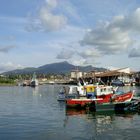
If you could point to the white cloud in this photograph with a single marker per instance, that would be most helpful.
(115, 36)
(9, 66)
(65, 54)
(90, 53)
(73, 53)
(51, 4)
(69, 9)
(135, 52)
(78, 62)
(75, 57)
(130, 23)
(48, 19)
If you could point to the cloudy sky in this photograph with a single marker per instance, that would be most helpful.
(102, 33)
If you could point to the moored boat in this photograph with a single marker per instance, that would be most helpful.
(122, 97)
(102, 95)
(132, 105)
(88, 91)
(34, 81)
(80, 103)
(68, 92)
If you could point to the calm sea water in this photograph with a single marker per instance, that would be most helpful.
(35, 114)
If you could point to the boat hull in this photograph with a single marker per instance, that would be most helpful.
(105, 98)
(78, 103)
(103, 102)
(34, 83)
(122, 97)
(118, 106)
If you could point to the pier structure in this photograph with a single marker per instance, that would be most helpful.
(124, 75)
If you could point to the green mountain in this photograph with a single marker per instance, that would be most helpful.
(54, 68)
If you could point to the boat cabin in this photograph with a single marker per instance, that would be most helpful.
(89, 91)
(104, 90)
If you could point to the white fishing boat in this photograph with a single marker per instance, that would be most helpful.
(34, 81)
(74, 91)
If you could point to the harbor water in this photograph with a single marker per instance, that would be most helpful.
(35, 114)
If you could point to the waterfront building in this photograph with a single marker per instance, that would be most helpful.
(76, 74)
(125, 75)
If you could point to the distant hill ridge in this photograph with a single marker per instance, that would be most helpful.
(54, 68)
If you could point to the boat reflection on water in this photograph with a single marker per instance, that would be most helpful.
(101, 122)
(72, 112)
(35, 90)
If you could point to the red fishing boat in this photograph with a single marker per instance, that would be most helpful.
(100, 95)
(122, 97)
